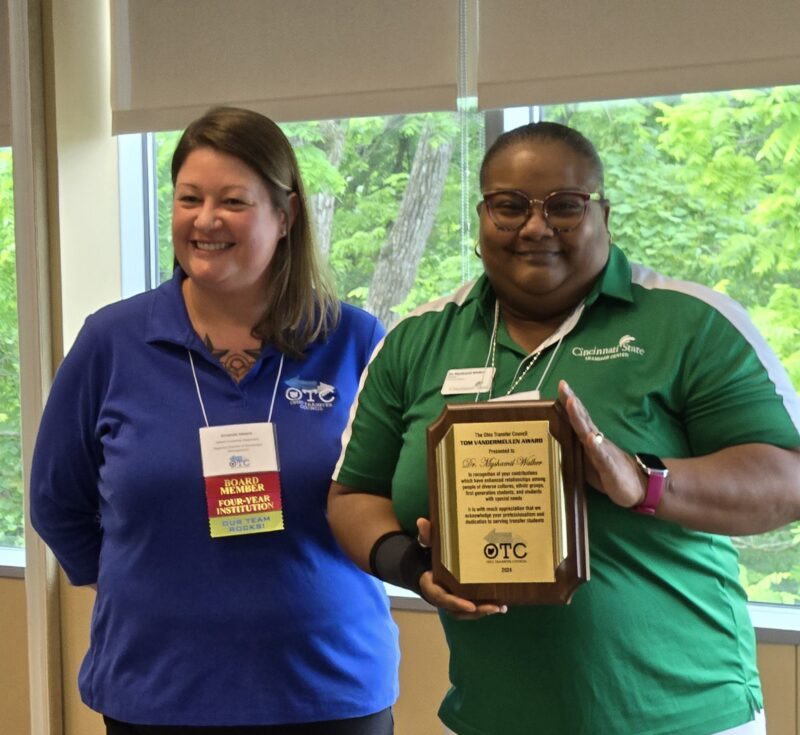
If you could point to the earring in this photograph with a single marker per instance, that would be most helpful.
(477, 251)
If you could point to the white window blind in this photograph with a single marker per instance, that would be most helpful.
(290, 59)
(535, 52)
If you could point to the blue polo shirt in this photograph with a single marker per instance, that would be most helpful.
(267, 628)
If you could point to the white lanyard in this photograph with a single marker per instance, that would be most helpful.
(200, 397)
(564, 328)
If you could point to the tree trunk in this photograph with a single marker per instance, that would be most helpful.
(400, 255)
(321, 205)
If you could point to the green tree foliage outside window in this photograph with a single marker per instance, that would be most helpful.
(703, 187)
(11, 523)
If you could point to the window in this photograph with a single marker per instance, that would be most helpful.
(11, 518)
(702, 186)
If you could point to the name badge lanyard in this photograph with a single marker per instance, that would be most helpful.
(200, 397)
(530, 358)
(241, 472)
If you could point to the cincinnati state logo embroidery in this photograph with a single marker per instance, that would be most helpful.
(624, 349)
(309, 395)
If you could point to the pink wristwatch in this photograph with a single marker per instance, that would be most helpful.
(656, 472)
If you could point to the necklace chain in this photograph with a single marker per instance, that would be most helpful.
(565, 327)
(533, 356)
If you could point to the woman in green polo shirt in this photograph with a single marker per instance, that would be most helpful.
(689, 428)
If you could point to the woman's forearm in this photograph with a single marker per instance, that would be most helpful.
(358, 520)
(745, 489)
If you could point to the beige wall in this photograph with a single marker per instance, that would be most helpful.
(14, 700)
(88, 198)
(423, 669)
(779, 671)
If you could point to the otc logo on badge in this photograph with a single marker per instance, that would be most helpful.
(310, 395)
(237, 461)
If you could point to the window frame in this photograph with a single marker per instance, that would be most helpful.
(773, 623)
(12, 562)
(12, 558)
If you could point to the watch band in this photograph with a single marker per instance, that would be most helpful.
(657, 473)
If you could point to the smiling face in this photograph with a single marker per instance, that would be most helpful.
(225, 228)
(536, 272)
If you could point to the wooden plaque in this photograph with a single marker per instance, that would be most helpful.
(507, 503)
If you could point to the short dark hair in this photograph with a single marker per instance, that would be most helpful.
(301, 302)
(549, 131)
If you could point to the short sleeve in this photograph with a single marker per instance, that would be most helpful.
(373, 438)
(736, 390)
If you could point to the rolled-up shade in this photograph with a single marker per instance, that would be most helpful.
(5, 79)
(535, 52)
(290, 59)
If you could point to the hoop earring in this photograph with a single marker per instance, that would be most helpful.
(476, 251)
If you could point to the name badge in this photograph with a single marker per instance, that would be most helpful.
(242, 479)
(526, 395)
(467, 380)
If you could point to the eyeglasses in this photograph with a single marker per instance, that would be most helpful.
(562, 210)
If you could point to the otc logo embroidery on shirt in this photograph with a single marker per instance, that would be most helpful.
(310, 395)
(625, 348)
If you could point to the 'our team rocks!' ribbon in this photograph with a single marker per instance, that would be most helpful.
(242, 479)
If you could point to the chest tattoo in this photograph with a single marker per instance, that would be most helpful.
(237, 363)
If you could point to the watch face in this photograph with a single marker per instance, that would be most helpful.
(651, 461)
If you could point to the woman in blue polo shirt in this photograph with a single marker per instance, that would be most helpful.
(220, 588)
(689, 427)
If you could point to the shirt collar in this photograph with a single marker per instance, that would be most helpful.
(168, 320)
(481, 298)
(615, 279)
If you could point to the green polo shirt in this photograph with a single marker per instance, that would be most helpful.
(659, 640)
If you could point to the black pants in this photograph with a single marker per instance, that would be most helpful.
(381, 723)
